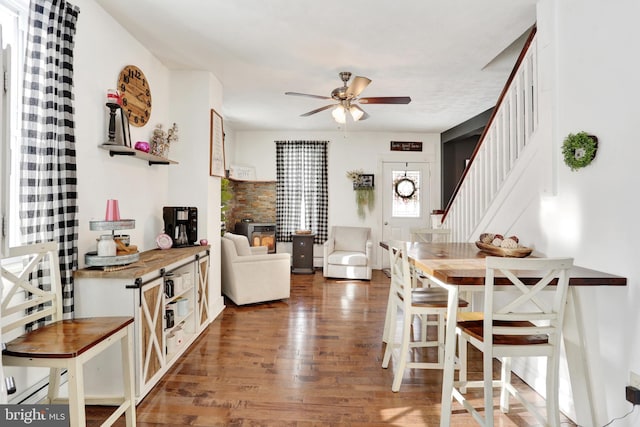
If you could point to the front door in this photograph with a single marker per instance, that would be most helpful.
(405, 198)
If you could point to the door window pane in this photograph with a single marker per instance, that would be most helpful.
(406, 189)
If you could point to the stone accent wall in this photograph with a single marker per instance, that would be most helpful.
(252, 199)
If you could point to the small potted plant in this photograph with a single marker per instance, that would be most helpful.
(365, 194)
(226, 195)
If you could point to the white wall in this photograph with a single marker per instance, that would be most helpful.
(347, 151)
(193, 95)
(588, 73)
(103, 47)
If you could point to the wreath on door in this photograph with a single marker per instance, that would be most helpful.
(405, 188)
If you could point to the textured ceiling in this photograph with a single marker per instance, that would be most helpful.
(451, 57)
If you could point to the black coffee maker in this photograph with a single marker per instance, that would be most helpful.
(181, 223)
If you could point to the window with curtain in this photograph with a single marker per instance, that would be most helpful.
(301, 189)
(48, 184)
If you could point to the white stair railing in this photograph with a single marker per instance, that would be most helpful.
(509, 130)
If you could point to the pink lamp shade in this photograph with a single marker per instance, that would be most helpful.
(113, 212)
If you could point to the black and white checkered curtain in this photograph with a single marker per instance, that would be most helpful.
(48, 183)
(301, 179)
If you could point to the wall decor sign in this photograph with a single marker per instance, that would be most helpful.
(242, 173)
(126, 135)
(216, 162)
(406, 146)
(364, 181)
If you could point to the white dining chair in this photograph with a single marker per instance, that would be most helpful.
(411, 301)
(523, 323)
(430, 235)
(59, 344)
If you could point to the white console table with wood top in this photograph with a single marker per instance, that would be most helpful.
(138, 290)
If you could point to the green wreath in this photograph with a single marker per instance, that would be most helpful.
(579, 150)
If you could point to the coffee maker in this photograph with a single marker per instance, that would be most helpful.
(181, 223)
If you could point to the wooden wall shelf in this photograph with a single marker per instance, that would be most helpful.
(121, 150)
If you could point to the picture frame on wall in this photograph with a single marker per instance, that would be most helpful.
(126, 132)
(216, 155)
(364, 181)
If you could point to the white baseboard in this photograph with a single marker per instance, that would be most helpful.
(36, 392)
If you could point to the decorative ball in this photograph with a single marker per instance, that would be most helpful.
(487, 238)
(497, 242)
(509, 243)
(142, 146)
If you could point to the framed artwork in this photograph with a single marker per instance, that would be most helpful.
(242, 173)
(126, 135)
(364, 181)
(216, 154)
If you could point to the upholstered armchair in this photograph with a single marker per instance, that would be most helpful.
(347, 253)
(250, 274)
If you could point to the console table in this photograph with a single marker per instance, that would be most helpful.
(140, 290)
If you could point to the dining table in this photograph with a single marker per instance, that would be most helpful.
(460, 269)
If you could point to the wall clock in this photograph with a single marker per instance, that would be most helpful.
(135, 95)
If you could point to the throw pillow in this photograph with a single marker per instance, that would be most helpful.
(352, 239)
(241, 243)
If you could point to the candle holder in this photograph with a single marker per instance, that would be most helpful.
(113, 107)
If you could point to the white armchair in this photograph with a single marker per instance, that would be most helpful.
(250, 274)
(347, 253)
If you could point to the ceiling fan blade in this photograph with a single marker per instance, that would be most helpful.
(307, 95)
(357, 85)
(317, 110)
(385, 100)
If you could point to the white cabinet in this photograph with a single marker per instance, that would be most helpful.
(167, 319)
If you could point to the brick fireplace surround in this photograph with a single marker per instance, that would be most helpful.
(251, 199)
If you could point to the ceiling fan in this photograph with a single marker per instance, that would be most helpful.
(348, 99)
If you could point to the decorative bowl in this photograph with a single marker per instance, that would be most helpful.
(519, 252)
(142, 146)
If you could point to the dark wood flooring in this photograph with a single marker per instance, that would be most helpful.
(312, 360)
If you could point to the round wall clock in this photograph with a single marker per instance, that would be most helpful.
(135, 95)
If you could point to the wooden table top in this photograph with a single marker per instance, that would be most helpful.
(149, 261)
(66, 338)
(463, 264)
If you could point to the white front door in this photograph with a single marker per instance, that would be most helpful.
(405, 198)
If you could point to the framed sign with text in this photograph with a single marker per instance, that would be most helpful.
(216, 160)
(406, 146)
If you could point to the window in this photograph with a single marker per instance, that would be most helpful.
(301, 188)
(406, 193)
(13, 19)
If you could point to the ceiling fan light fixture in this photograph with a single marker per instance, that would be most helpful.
(339, 114)
(356, 113)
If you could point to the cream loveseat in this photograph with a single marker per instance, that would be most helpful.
(250, 274)
(347, 253)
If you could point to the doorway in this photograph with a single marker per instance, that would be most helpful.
(406, 194)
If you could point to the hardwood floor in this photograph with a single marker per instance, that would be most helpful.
(312, 360)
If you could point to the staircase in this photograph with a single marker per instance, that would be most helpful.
(501, 145)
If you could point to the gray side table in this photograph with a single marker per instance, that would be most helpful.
(302, 245)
